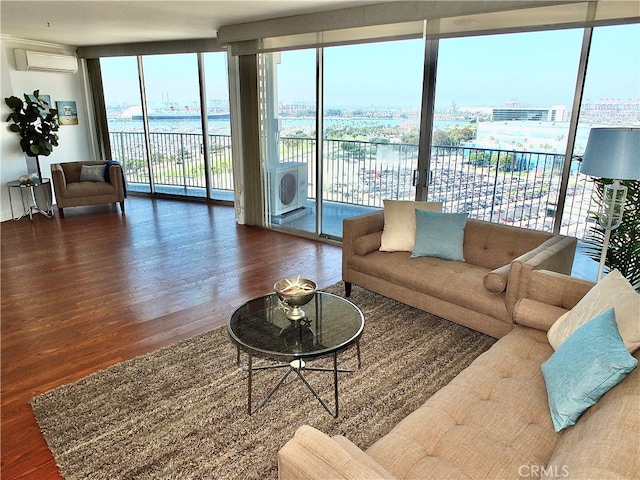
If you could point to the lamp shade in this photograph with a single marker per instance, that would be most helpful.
(612, 153)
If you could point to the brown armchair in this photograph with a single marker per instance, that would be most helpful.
(73, 189)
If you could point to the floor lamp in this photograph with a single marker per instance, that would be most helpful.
(612, 153)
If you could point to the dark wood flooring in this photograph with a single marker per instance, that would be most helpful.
(96, 288)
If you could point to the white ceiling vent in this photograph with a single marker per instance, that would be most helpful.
(27, 60)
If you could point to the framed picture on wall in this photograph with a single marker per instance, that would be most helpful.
(67, 113)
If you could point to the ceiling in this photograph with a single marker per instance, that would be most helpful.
(99, 22)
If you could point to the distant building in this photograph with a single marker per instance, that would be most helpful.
(555, 113)
(513, 111)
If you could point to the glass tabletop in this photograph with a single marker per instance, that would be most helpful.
(30, 183)
(260, 326)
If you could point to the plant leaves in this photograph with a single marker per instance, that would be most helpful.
(35, 124)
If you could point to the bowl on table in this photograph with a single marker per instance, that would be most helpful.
(294, 293)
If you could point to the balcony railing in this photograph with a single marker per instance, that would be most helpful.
(503, 186)
(177, 159)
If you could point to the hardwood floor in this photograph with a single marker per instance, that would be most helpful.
(95, 288)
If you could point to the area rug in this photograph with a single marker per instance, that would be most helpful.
(181, 412)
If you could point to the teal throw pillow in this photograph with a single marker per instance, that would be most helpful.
(92, 173)
(439, 235)
(584, 367)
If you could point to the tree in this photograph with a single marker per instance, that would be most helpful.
(480, 158)
(506, 162)
(454, 136)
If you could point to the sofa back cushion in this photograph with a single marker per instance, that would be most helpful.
(491, 245)
(72, 170)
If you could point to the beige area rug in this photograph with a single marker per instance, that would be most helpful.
(180, 412)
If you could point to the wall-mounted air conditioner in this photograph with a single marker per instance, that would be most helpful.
(28, 60)
(288, 187)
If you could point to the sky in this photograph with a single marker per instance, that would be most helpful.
(536, 68)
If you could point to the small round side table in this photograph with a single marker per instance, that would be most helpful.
(35, 197)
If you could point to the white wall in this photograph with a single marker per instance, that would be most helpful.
(76, 141)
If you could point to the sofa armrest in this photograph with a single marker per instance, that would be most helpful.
(555, 254)
(547, 297)
(311, 454)
(534, 314)
(556, 289)
(116, 178)
(355, 227)
(58, 179)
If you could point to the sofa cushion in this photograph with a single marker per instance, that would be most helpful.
(89, 189)
(488, 422)
(439, 235)
(92, 173)
(584, 367)
(613, 291)
(399, 232)
(434, 276)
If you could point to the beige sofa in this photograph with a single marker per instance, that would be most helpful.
(492, 420)
(479, 293)
(71, 192)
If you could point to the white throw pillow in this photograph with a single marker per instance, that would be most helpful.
(613, 291)
(399, 233)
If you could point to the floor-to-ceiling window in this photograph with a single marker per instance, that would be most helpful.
(175, 124)
(502, 112)
(342, 127)
(371, 96)
(502, 124)
(121, 88)
(611, 98)
(218, 125)
(155, 119)
(289, 126)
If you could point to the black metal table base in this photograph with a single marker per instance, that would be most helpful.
(297, 367)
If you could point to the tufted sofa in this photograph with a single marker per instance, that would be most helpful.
(492, 420)
(479, 293)
(71, 192)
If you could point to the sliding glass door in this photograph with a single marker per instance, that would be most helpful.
(365, 102)
(121, 87)
(175, 124)
(371, 125)
(502, 117)
(611, 98)
(156, 116)
(218, 125)
(289, 128)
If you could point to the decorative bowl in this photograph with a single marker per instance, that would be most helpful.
(293, 293)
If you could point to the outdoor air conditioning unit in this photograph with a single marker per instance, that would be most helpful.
(27, 60)
(288, 187)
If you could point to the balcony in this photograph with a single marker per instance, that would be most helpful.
(504, 186)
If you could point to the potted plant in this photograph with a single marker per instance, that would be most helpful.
(36, 123)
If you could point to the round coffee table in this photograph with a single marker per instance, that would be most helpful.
(260, 327)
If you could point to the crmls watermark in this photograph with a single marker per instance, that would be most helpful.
(537, 471)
